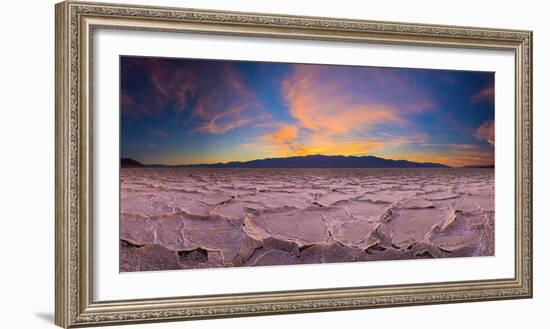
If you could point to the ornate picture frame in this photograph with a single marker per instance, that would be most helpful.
(75, 24)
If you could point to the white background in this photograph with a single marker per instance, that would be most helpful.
(27, 163)
(111, 285)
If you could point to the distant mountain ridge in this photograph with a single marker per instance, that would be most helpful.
(130, 163)
(491, 166)
(308, 161)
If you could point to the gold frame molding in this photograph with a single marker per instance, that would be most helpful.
(75, 23)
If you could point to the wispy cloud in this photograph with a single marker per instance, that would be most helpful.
(395, 140)
(486, 132)
(486, 94)
(464, 146)
(452, 146)
(326, 106)
(213, 93)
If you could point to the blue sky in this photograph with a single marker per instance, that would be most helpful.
(188, 111)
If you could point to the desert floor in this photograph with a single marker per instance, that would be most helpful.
(202, 218)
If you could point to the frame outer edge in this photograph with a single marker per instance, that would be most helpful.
(72, 306)
(529, 193)
(62, 259)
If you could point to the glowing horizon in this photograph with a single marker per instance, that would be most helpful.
(189, 111)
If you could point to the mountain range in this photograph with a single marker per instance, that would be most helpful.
(308, 161)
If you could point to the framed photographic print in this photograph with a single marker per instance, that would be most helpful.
(215, 164)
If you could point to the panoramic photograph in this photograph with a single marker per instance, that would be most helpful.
(241, 163)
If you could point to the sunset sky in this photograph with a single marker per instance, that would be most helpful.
(183, 111)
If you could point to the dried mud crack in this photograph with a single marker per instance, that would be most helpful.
(205, 218)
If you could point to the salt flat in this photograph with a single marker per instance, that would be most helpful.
(180, 218)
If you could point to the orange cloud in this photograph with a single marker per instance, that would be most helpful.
(286, 141)
(329, 119)
(283, 135)
(328, 108)
(486, 132)
(485, 94)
